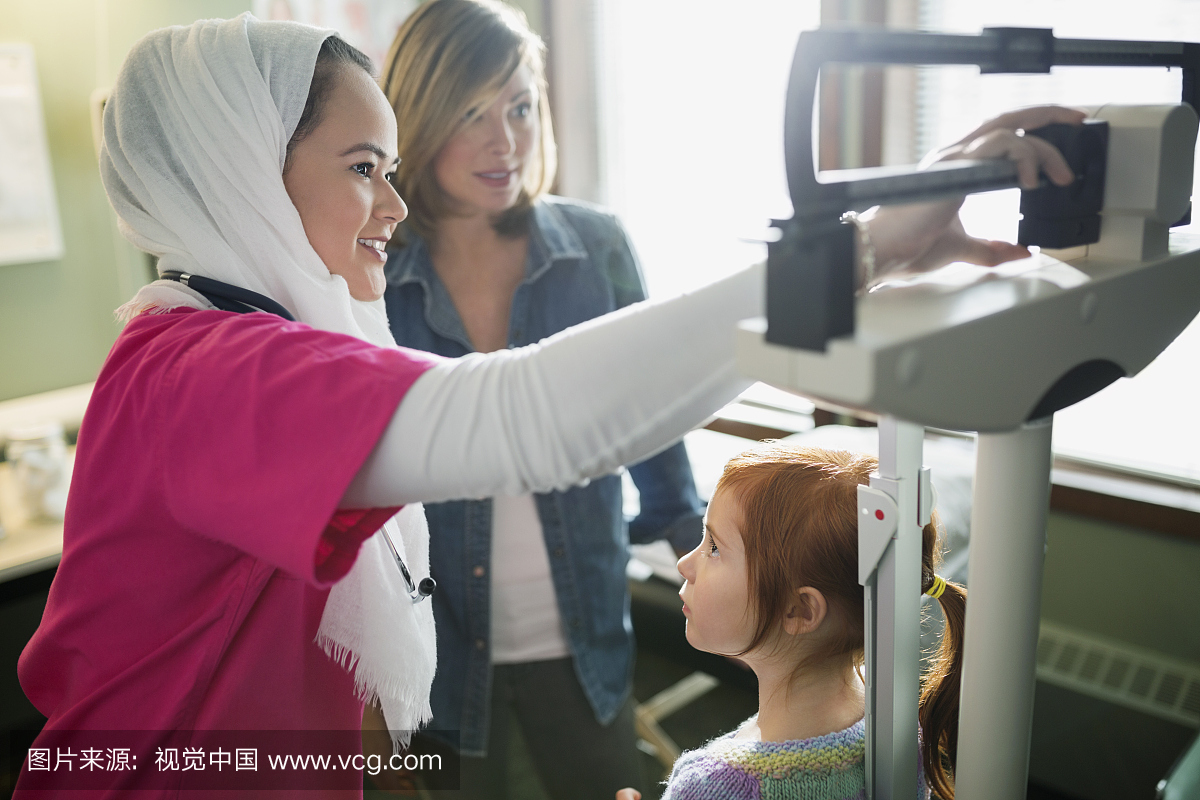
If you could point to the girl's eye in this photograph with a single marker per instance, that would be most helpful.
(363, 169)
(522, 110)
(712, 546)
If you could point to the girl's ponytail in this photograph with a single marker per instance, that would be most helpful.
(938, 711)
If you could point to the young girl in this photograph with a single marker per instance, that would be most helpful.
(775, 583)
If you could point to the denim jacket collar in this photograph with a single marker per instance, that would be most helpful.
(551, 239)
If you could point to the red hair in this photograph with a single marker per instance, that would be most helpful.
(799, 522)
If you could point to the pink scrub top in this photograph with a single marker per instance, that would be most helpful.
(202, 529)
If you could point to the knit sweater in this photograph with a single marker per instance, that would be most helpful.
(829, 767)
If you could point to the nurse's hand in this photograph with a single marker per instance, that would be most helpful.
(629, 794)
(924, 236)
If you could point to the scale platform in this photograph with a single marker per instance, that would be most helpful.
(967, 348)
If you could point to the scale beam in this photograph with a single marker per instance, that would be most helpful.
(810, 269)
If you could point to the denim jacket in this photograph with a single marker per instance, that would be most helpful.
(580, 265)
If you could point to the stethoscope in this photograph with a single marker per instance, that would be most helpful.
(243, 301)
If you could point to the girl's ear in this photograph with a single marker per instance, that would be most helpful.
(806, 613)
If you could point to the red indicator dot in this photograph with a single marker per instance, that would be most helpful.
(879, 514)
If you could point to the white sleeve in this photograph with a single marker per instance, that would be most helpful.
(611, 391)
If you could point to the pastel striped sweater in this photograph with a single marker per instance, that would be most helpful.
(829, 767)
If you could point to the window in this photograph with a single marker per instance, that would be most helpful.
(692, 110)
(692, 98)
(1140, 424)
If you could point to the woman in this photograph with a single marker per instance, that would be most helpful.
(226, 565)
(532, 607)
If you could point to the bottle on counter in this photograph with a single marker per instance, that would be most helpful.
(37, 456)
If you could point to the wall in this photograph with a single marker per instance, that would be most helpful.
(1132, 586)
(534, 13)
(56, 322)
(1124, 583)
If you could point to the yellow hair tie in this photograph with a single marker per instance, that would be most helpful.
(939, 586)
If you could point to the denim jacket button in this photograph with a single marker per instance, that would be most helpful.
(478, 571)
(575, 622)
(480, 644)
(558, 552)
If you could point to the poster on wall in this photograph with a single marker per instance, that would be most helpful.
(29, 222)
(369, 25)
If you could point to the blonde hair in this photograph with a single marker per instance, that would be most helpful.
(449, 57)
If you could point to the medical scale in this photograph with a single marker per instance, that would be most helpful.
(1109, 290)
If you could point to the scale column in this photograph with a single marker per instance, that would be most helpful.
(1004, 597)
(893, 619)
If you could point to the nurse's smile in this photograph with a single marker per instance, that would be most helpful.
(375, 247)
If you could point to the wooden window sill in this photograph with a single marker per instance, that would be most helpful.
(1084, 489)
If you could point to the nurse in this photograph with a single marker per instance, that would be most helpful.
(227, 561)
(532, 603)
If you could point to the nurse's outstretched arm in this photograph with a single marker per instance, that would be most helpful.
(577, 405)
(620, 388)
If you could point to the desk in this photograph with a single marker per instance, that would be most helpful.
(28, 545)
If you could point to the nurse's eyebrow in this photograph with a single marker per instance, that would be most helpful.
(369, 147)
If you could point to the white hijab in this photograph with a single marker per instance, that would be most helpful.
(195, 136)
